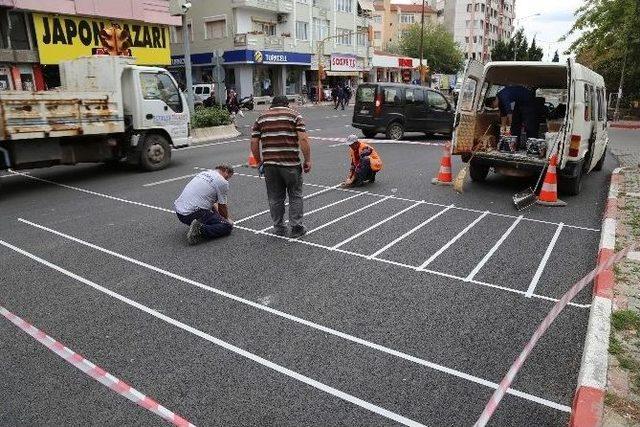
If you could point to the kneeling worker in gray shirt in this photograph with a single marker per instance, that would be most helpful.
(202, 205)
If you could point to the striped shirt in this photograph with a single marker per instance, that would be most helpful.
(277, 130)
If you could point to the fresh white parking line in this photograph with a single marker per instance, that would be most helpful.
(543, 263)
(191, 147)
(409, 233)
(451, 242)
(495, 247)
(369, 257)
(347, 215)
(230, 347)
(325, 329)
(308, 196)
(164, 181)
(376, 225)
(321, 208)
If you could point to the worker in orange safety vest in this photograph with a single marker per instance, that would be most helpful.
(365, 163)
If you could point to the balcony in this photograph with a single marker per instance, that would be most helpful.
(263, 42)
(279, 6)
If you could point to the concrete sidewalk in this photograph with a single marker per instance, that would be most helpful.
(625, 145)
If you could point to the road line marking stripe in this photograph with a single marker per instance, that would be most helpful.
(347, 215)
(493, 249)
(81, 363)
(164, 181)
(543, 262)
(409, 233)
(308, 323)
(230, 347)
(452, 241)
(376, 225)
(191, 147)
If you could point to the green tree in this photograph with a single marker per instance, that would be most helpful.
(607, 32)
(441, 52)
(534, 53)
(504, 50)
(556, 57)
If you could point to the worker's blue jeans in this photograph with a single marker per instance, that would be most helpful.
(364, 171)
(213, 224)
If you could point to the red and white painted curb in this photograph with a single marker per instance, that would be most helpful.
(588, 402)
(95, 372)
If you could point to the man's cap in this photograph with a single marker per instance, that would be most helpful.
(351, 139)
(280, 101)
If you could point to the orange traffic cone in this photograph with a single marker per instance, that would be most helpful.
(444, 174)
(251, 161)
(549, 194)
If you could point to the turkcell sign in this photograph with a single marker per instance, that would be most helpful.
(266, 57)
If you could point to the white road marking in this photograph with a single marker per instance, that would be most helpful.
(392, 142)
(634, 256)
(451, 242)
(543, 263)
(321, 208)
(495, 247)
(409, 233)
(191, 147)
(334, 332)
(376, 225)
(164, 181)
(347, 215)
(368, 257)
(230, 347)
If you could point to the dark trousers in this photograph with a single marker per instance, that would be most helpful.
(340, 102)
(213, 224)
(282, 181)
(364, 171)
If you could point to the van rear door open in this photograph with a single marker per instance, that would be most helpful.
(465, 119)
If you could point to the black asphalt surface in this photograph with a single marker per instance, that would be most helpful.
(453, 335)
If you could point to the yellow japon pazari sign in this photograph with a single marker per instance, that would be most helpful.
(61, 38)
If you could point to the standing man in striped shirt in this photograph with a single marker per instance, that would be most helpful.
(277, 138)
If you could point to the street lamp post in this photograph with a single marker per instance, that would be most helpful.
(515, 48)
(422, 73)
(187, 57)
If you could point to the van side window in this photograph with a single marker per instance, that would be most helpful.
(205, 90)
(588, 102)
(467, 94)
(437, 101)
(198, 90)
(601, 106)
(414, 96)
(391, 95)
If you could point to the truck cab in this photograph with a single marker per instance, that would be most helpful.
(570, 109)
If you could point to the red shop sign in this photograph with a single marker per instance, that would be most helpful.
(405, 62)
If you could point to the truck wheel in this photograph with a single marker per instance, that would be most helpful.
(156, 152)
(600, 164)
(478, 172)
(395, 131)
(368, 133)
(572, 186)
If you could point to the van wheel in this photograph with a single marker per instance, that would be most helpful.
(478, 172)
(395, 131)
(156, 152)
(600, 164)
(368, 133)
(572, 186)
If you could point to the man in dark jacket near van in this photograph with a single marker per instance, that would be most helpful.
(517, 109)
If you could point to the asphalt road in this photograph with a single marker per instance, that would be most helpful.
(413, 321)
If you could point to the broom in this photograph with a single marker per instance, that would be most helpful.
(458, 183)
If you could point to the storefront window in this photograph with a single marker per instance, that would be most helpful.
(263, 79)
(293, 81)
(5, 78)
(27, 82)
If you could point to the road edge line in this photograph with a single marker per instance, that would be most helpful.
(588, 402)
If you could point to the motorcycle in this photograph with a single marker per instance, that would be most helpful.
(247, 102)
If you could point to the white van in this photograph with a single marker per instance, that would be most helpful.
(201, 91)
(570, 106)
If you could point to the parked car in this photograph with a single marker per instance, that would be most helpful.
(573, 105)
(395, 108)
(201, 91)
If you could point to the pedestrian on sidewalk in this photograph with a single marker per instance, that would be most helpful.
(277, 138)
(202, 205)
(365, 163)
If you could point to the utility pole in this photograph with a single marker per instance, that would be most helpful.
(422, 73)
(187, 59)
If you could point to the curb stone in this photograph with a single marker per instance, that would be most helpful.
(588, 402)
(204, 135)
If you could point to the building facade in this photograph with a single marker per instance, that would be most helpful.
(391, 20)
(36, 35)
(477, 25)
(271, 47)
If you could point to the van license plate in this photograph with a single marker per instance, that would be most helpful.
(364, 111)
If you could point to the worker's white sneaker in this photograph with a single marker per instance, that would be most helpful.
(194, 235)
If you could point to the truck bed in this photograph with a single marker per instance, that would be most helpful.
(58, 113)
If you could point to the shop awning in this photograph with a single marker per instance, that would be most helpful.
(343, 73)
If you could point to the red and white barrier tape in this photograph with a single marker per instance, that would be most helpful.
(95, 371)
(493, 403)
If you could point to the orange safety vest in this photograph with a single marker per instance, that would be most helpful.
(374, 158)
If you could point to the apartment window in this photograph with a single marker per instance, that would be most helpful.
(469, 7)
(466, 39)
(407, 18)
(177, 36)
(361, 37)
(302, 30)
(377, 19)
(18, 31)
(303, 1)
(320, 28)
(377, 35)
(215, 28)
(343, 5)
(345, 36)
(268, 28)
(482, 7)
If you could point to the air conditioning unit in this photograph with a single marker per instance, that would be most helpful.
(282, 18)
